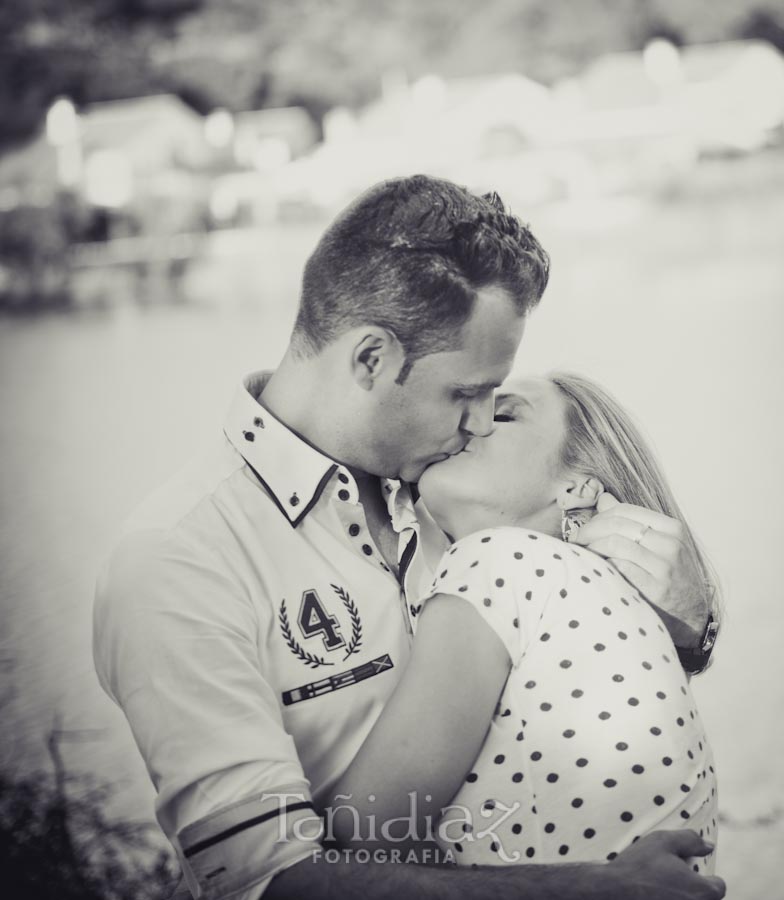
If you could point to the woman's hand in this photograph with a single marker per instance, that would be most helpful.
(648, 549)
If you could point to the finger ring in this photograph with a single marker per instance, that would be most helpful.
(641, 535)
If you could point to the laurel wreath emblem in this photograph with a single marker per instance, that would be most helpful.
(311, 659)
(356, 625)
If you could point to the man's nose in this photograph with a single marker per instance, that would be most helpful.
(479, 416)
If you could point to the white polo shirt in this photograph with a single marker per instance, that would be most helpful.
(251, 631)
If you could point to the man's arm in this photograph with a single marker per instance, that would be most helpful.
(648, 549)
(654, 868)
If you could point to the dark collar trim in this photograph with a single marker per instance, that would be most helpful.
(313, 500)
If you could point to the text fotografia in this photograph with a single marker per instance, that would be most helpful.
(457, 825)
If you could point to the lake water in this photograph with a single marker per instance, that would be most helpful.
(677, 306)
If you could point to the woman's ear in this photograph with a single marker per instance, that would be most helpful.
(375, 351)
(580, 492)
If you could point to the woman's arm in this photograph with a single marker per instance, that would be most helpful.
(430, 731)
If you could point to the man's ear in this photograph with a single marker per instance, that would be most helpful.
(376, 351)
(580, 492)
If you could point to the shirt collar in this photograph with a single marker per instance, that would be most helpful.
(293, 472)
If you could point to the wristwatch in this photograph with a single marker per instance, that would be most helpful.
(697, 659)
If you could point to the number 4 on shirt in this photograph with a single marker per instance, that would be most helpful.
(314, 620)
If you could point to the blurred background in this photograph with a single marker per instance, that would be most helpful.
(166, 167)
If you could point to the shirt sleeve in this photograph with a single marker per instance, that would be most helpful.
(507, 575)
(175, 646)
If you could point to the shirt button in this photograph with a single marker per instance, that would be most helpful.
(353, 530)
(343, 477)
(344, 494)
(249, 436)
(367, 549)
(294, 500)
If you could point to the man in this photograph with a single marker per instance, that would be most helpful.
(254, 618)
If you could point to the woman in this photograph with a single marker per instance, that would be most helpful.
(595, 739)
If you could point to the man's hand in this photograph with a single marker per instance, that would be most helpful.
(658, 866)
(648, 549)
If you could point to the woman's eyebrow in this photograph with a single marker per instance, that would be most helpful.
(515, 399)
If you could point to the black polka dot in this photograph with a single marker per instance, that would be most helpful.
(577, 802)
(499, 582)
(536, 756)
(530, 851)
(488, 804)
(581, 762)
(643, 632)
(565, 663)
(658, 800)
(680, 721)
(585, 578)
(638, 769)
(666, 760)
(685, 788)
(618, 678)
(626, 816)
(519, 736)
(562, 593)
(552, 778)
(549, 828)
(545, 637)
(576, 693)
(633, 701)
(622, 635)
(459, 848)
(604, 715)
(545, 707)
(518, 555)
(574, 623)
(485, 540)
(499, 759)
(367, 549)
(516, 623)
(611, 856)
(563, 849)
(487, 601)
(343, 477)
(533, 537)
(471, 777)
(539, 572)
(528, 595)
(474, 564)
(646, 665)
(655, 730)
(589, 833)
(661, 695)
(353, 529)
(599, 647)
(569, 733)
(665, 657)
(517, 777)
(530, 684)
(606, 610)
(249, 436)
(517, 828)
(621, 745)
(609, 782)
(494, 847)
(684, 814)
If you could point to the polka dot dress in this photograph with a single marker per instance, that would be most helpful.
(596, 739)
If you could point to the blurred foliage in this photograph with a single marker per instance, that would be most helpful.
(57, 847)
(34, 246)
(244, 54)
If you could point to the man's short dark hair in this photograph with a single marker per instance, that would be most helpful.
(409, 255)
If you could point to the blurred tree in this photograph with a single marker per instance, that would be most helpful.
(765, 25)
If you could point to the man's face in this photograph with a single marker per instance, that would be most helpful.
(448, 396)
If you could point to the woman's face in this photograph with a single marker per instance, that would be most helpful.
(510, 477)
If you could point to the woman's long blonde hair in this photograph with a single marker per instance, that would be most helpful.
(603, 441)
